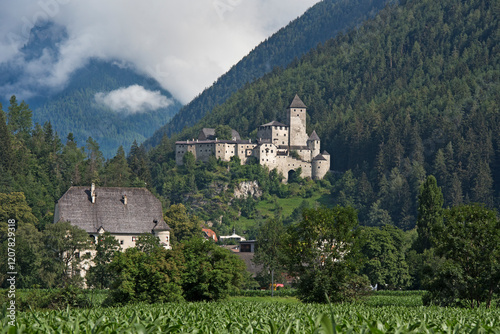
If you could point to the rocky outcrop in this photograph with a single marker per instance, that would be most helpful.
(247, 188)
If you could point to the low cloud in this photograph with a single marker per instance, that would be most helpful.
(133, 99)
(184, 45)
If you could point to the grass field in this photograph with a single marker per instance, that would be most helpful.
(382, 313)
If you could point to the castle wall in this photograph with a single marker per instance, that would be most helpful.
(245, 151)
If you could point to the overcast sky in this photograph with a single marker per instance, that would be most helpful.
(185, 45)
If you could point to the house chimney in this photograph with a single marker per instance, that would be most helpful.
(125, 199)
(92, 192)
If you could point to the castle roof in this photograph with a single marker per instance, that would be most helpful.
(274, 123)
(319, 157)
(142, 212)
(297, 103)
(325, 153)
(209, 134)
(314, 136)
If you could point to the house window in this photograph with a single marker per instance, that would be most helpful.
(121, 242)
(134, 239)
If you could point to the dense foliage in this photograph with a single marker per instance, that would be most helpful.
(322, 251)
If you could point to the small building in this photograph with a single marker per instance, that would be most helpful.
(232, 237)
(209, 234)
(125, 213)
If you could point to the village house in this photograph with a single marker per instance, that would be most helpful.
(125, 213)
(284, 147)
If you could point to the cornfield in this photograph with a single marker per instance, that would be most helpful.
(258, 317)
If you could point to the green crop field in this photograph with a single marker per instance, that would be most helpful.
(384, 314)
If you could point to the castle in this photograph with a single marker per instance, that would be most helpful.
(285, 147)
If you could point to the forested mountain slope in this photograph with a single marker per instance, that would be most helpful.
(75, 109)
(413, 91)
(320, 23)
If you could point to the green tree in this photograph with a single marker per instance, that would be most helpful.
(323, 251)
(29, 254)
(6, 153)
(430, 207)
(184, 226)
(19, 118)
(223, 132)
(469, 241)
(269, 247)
(65, 250)
(212, 272)
(386, 265)
(117, 172)
(100, 275)
(147, 243)
(147, 277)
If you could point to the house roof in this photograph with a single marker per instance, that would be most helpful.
(142, 213)
(314, 136)
(253, 268)
(210, 234)
(274, 123)
(297, 103)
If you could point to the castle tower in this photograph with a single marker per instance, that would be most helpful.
(314, 144)
(296, 117)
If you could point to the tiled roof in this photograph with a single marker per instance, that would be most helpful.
(274, 123)
(297, 103)
(142, 213)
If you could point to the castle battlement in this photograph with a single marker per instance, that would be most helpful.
(276, 147)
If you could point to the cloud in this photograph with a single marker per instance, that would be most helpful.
(133, 99)
(185, 45)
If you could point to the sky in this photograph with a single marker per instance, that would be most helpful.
(184, 45)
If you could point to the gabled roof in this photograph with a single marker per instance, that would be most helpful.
(142, 213)
(297, 103)
(274, 123)
(209, 134)
(325, 153)
(314, 136)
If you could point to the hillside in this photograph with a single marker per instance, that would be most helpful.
(412, 92)
(320, 23)
(75, 109)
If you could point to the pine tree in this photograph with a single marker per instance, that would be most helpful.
(430, 207)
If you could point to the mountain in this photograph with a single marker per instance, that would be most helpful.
(76, 110)
(80, 107)
(411, 92)
(318, 24)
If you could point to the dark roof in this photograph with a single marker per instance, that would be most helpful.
(297, 103)
(319, 157)
(142, 213)
(325, 153)
(209, 134)
(274, 123)
(253, 268)
(314, 136)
